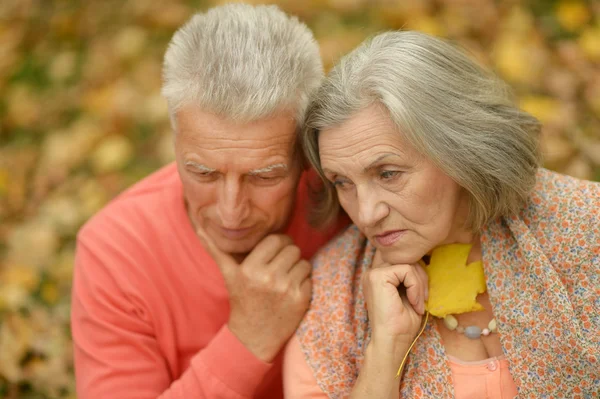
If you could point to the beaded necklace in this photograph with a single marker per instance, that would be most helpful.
(453, 289)
(454, 286)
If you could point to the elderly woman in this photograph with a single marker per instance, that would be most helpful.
(437, 168)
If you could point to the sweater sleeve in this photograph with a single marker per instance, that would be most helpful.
(117, 355)
(298, 379)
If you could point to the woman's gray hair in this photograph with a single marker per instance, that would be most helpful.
(451, 110)
(242, 62)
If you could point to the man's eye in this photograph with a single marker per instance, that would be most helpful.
(204, 175)
(266, 179)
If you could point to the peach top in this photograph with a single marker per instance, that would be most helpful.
(489, 378)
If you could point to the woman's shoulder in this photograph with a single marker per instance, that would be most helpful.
(563, 213)
(338, 264)
(560, 203)
(346, 244)
(553, 188)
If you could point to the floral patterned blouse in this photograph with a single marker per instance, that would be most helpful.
(542, 270)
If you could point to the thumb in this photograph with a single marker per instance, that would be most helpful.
(226, 263)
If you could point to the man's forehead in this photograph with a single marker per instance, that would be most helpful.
(193, 120)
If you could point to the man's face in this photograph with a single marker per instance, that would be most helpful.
(239, 180)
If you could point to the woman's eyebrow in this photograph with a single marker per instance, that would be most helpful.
(379, 159)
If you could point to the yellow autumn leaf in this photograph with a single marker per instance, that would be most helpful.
(23, 106)
(62, 66)
(510, 59)
(346, 6)
(49, 292)
(112, 154)
(572, 15)
(130, 42)
(542, 107)
(454, 285)
(20, 276)
(33, 244)
(3, 181)
(589, 41)
(169, 15)
(426, 24)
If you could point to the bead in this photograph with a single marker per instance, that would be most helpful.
(473, 332)
(485, 332)
(492, 325)
(460, 329)
(450, 322)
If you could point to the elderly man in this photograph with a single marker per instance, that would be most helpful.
(189, 284)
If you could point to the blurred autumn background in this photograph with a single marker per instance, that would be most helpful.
(81, 118)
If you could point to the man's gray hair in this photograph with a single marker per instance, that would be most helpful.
(242, 62)
(455, 113)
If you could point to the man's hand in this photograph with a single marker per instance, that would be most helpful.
(269, 292)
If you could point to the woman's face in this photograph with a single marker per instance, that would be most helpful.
(399, 199)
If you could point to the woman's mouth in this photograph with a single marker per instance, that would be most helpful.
(389, 237)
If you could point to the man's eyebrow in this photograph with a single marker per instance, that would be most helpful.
(268, 169)
(199, 167)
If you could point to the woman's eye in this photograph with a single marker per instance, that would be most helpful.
(389, 174)
(340, 184)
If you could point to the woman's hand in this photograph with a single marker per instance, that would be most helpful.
(395, 296)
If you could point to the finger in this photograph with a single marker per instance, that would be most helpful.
(407, 275)
(264, 252)
(416, 293)
(300, 272)
(226, 263)
(306, 289)
(424, 280)
(286, 259)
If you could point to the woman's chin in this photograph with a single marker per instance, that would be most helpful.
(404, 257)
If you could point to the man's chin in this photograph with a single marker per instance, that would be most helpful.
(237, 248)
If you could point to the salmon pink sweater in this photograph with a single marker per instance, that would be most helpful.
(150, 307)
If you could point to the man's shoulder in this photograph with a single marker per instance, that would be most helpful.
(130, 213)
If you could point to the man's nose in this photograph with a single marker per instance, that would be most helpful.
(232, 203)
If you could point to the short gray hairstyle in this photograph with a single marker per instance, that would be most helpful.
(451, 110)
(242, 62)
